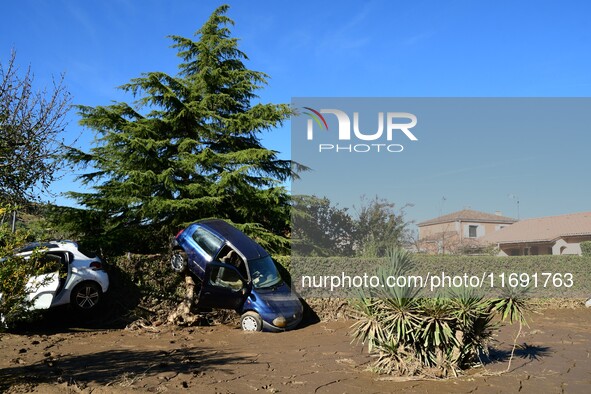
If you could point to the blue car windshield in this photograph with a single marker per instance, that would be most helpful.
(263, 272)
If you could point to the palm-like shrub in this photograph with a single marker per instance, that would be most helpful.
(436, 336)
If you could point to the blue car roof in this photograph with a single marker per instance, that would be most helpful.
(245, 245)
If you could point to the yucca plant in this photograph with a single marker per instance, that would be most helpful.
(392, 358)
(387, 312)
(437, 334)
(512, 307)
(412, 335)
(474, 324)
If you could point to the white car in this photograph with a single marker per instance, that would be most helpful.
(80, 280)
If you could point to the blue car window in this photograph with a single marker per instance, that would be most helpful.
(263, 273)
(207, 241)
(226, 278)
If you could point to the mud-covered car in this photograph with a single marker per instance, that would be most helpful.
(236, 273)
(74, 278)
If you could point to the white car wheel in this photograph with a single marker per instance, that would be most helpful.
(251, 321)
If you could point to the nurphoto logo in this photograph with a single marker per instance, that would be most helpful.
(395, 122)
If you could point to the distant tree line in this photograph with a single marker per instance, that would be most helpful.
(320, 228)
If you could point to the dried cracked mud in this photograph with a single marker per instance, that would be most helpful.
(553, 357)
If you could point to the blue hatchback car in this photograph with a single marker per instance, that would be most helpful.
(236, 273)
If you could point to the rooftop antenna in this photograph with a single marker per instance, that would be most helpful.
(443, 199)
(516, 198)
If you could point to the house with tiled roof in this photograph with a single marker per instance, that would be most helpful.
(458, 231)
(546, 235)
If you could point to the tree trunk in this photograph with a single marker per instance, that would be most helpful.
(182, 315)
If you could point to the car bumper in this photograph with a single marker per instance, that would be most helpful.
(292, 324)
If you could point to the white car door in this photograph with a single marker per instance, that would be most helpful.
(41, 289)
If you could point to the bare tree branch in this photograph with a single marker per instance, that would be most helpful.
(31, 126)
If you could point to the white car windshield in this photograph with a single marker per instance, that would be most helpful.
(263, 272)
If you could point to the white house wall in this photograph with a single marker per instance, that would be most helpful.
(563, 247)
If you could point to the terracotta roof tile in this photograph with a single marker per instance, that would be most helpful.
(543, 229)
(469, 215)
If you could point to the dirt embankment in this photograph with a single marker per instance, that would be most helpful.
(554, 357)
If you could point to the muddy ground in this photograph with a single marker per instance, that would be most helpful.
(554, 357)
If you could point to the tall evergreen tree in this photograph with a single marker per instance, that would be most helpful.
(189, 147)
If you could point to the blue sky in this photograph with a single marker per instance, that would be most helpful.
(352, 49)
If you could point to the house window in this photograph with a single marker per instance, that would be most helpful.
(472, 231)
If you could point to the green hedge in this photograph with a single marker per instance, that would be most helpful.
(429, 265)
(291, 262)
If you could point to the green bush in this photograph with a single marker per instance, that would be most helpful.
(15, 271)
(586, 248)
